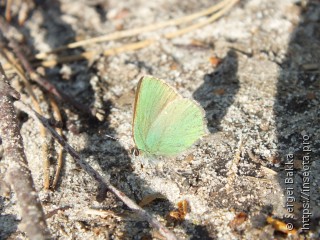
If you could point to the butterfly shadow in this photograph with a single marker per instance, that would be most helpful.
(216, 95)
(218, 91)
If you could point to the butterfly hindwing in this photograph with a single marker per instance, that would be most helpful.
(176, 128)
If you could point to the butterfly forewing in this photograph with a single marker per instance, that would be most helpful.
(152, 97)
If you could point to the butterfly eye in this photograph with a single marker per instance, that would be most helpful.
(135, 151)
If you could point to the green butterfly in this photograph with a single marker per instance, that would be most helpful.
(164, 123)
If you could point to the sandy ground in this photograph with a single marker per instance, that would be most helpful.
(262, 101)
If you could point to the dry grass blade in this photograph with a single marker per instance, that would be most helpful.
(144, 43)
(58, 117)
(209, 20)
(234, 166)
(218, 9)
(8, 10)
(101, 213)
(90, 54)
(133, 32)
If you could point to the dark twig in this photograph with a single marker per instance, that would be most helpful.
(40, 80)
(19, 175)
(94, 174)
(21, 73)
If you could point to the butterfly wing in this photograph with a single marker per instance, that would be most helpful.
(152, 96)
(176, 128)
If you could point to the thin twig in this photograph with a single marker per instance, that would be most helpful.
(94, 174)
(19, 175)
(57, 116)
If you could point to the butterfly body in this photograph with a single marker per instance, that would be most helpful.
(165, 123)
